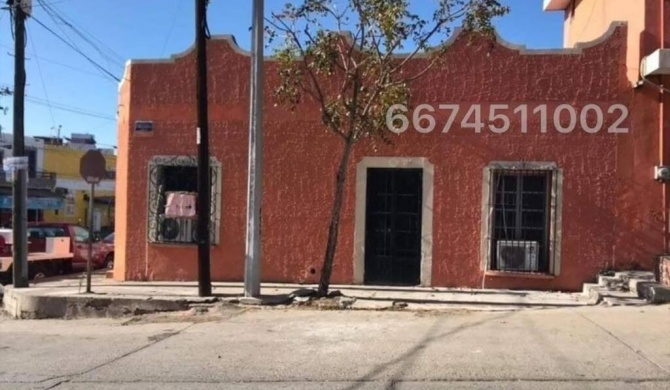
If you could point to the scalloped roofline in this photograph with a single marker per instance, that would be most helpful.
(522, 49)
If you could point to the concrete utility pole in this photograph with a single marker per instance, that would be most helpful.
(204, 184)
(252, 262)
(19, 191)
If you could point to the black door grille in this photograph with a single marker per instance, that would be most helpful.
(393, 226)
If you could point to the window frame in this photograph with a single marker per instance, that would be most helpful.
(70, 206)
(154, 201)
(554, 209)
(75, 234)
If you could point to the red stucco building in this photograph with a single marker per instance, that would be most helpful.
(541, 207)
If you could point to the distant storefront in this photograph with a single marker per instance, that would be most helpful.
(39, 201)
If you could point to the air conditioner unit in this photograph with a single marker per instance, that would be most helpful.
(662, 173)
(517, 256)
(657, 63)
(177, 230)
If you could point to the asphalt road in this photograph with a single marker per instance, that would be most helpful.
(592, 348)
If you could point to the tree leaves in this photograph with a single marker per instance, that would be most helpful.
(343, 55)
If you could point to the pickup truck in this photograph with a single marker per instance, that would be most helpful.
(53, 249)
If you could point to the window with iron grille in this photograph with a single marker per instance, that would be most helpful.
(178, 174)
(522, 219)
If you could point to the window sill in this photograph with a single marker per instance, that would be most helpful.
(524, 275)
(177, 245)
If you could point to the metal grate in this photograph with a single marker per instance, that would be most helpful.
(393, 226)
(520, 237)
(177, 174)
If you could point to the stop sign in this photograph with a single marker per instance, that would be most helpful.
(93, 167)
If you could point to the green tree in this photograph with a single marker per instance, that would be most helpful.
(343, 56)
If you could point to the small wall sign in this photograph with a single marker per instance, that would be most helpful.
(144, 126)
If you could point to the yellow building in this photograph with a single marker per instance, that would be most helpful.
(63, 159)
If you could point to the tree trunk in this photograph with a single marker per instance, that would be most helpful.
(334, 228)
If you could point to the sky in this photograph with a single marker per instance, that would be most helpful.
(64, 90)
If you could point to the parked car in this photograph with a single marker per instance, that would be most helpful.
(79, 236)
(47, 256)
(105, 252)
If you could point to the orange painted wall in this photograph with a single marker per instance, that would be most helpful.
(610, 207)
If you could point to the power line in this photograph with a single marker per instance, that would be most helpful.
(172, 23)
(108, 54)
(48, 4)
(52, 61)
(73, 47)
(44, 86)
(63, 107)
(60, 106)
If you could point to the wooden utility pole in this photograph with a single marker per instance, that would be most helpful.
(204, 183)
(19, 191)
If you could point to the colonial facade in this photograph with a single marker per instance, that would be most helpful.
(553, 185)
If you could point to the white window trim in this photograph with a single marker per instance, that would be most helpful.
(426, 212)
(556, 212)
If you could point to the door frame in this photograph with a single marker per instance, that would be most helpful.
(426, 211)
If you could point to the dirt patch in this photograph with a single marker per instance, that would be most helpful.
(194, 315)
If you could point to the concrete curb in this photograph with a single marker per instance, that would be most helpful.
(22, 305)
(55, 302)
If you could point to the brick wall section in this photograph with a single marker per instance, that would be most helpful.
(610, 207)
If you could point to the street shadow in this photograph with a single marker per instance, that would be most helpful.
(409, 358)
(458, 302)
(428, 290)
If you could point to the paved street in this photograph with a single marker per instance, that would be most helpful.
(593, 348)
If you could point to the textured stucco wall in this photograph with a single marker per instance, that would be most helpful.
(610, 205)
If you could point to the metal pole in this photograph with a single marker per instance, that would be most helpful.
(204, 186)
(19, 191)
(89, 258)
(252, 261)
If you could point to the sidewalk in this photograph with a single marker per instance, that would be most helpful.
(65, 298)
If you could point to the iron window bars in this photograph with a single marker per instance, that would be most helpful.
(521, 226)
(177, 173)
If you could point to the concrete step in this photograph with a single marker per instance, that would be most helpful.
(587, 287)
(612, 297)
(609, 281)
(624, 301)
(629, 275)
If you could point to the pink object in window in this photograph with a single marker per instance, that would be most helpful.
(180, 205)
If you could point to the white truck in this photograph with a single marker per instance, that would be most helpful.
(55, 260)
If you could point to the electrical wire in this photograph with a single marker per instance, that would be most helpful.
(73, 47)
(108, 54)
(44, 86)
(63, 107)
(51, 61)
(172, 23)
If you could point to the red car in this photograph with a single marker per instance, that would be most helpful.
(79, 236)
(105, 252)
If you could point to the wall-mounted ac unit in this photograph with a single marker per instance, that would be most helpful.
(657, 63)
(517, 256)
(177, 230)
